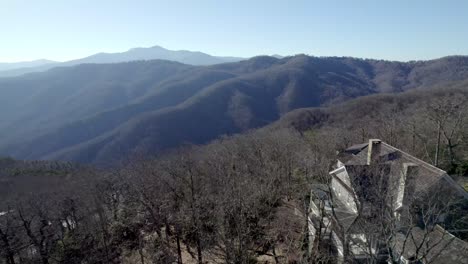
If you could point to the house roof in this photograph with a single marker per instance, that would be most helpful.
(362, 177)
(436, 246)
(356, 148)
(386, 168)
(427, 177)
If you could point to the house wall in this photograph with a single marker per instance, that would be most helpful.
(342, 174)
(339, 247)
(401, 191)
(338, 184)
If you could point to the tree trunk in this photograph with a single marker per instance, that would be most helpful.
(142, 257)
(11, 258)
(436, 159)
(274, 254)
(179, 251)
(168, 232)
(194, 218)
(140, 249)
(199, 251)
(450, 152)
(45, 259)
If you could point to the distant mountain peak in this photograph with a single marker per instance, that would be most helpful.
(154, 47)
(134, 54)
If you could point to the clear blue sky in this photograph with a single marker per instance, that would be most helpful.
(392, 29)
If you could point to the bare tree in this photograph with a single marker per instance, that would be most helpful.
(448, 114)
(10, 240)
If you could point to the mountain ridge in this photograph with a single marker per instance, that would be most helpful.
(10, 66)
(197, 104)
(134, 54)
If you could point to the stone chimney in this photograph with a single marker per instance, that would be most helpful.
(410, 171)
(373, 150)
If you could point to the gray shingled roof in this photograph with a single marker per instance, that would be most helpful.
(389, 163)
(428, 175)
(437, 246)
(356, 148)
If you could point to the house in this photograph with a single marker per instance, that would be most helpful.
(378, 202)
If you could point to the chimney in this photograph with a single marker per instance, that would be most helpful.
(405, 188)
(410, 171)
(373, 150)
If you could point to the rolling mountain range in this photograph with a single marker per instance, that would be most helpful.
(103, 113)
(11, 66)
(136, 54)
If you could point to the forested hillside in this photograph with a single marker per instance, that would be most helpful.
(239, 199)
(20, 178)
(104, 113)
(231, 201)
(409, 121)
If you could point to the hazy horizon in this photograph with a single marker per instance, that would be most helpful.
(227, 55)
(397, 30)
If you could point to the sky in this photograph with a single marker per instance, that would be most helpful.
(393, 30)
